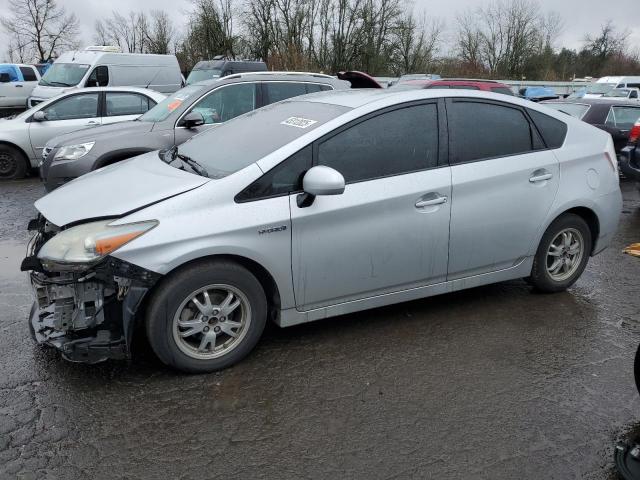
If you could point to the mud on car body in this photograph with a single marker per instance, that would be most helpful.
(86, 311)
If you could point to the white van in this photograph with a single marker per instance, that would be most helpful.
(106, 66)
(605, 84)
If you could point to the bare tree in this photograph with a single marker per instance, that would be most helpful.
(469, 41)
(40, 29)
(415, 43)
(160, 33)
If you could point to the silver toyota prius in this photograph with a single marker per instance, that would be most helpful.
(314, 207)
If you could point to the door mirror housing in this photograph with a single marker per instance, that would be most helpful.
(192, 120)
(39, 116)
(320, 180)
(5, 78)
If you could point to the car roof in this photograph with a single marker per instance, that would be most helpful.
(272, 76)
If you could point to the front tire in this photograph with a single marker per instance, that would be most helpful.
(206, 317)
(13, 164)
(562, 255)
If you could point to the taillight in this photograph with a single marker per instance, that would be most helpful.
(635, 133)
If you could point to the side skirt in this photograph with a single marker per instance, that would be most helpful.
(292, 316)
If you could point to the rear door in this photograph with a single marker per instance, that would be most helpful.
(389, 230)
(70, 113)
(504, 182)
(123, 106)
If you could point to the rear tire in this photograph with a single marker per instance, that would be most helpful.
(13, 164)
(562, 255)
(206, 317)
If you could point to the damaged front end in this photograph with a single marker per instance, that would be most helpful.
(86, 311)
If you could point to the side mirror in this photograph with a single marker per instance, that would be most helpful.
(39, 116)
(5, 78)
(320, 180)
(193, 119)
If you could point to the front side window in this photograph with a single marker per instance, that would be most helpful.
(73, 107)
(124, 103)
(28, 74)
(484, 130)
(99, 77)
(64, 75)
(622, 117)
(391, 143)
(167, 106)
(227, 102)
(284, 178)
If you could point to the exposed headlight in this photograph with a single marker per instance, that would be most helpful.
(74, 152)
(81, 246)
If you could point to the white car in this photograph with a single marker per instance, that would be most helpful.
(23, 137)
(313, 207)
(17, 81)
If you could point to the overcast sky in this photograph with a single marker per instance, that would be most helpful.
(580, 16)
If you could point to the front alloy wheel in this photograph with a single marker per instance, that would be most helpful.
(206, 316)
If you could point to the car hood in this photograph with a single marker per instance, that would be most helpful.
(110, 133)
(116, 190)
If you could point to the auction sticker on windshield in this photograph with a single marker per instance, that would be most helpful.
(298, 122)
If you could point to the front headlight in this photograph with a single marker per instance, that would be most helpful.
(81, 246)
(74, 152)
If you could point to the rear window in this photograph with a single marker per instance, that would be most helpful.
(503, 90)
(553, 131)
(577, 110)
(224, 149)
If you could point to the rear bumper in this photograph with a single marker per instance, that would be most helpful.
(630, 163)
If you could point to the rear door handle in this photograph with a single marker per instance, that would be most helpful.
(18, 86)
(540, 177)
(428, 202)
(93, 123)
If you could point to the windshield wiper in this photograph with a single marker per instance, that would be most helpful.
(62, 84)
(170, 155)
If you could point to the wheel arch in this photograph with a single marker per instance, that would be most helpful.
(588, 215)
(266, 279)
(19, 148)
(118, 156)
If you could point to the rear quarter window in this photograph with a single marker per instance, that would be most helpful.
(553, 131)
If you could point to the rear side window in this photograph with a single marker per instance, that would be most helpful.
(391, 143)
(282, 179)
(277, 91)
(553, 131)
(315, 87)
(125, 104)
(437, 86)
(622, 117)
(464, 87)
(480, 131)
(28, 74)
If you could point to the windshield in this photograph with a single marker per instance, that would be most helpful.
(577, 110)
(600, 88)
(64, 75)
(224, 150)
(162, 110)
(200, 75)
(618, 92)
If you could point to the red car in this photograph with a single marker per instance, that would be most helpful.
(485, 85)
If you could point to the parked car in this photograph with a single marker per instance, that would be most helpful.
(106, 66)
(295, 213)
(460, 84)
(221, 67)
(538, 94)
(630, 94)
(410, 77)
(611, 115)
(606, 84)
(17, 81)
(180, 116)
(23, 137)
(630, 155)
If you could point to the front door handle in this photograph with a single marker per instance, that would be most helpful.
(540, 177)
(92, 122)
(18, 86)
(428, 201)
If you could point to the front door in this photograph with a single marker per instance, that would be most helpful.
(66, 115)
(389, 230)
(503, 184)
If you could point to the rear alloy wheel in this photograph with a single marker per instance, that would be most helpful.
(562, 255)
(13, 165)
(206, 317)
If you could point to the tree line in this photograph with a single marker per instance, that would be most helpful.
(499, 39)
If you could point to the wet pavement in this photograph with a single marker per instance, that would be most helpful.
(497, 382)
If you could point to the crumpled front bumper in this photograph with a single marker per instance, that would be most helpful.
(88, 316)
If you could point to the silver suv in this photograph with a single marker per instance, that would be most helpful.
(187, 112)
(314, 207)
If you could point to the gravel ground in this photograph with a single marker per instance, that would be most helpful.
(496, 382)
